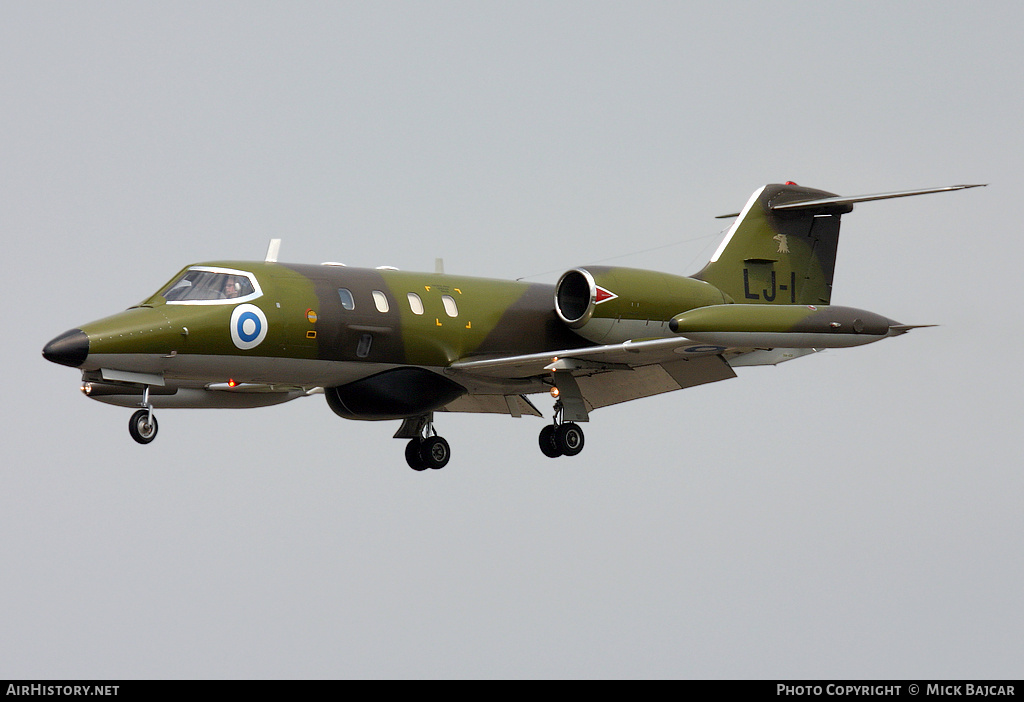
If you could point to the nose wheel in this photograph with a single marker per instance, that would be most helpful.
(561, 438)
(143, 425)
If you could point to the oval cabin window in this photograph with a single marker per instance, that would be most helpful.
(450, 308)
(415, 303)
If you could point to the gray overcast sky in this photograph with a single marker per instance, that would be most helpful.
(852, 514)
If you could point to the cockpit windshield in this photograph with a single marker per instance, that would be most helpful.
(201, 285)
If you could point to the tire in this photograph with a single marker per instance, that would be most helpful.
(548, 445)
(435, 452)
(569, 438)
(142, 428)
(412, 455)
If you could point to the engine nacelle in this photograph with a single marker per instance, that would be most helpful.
(609, 305)
(784, 326)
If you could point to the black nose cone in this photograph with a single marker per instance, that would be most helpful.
(69, 349)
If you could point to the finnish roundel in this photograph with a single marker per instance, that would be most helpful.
(248, 326)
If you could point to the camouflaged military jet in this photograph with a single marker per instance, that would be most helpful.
(383, 344)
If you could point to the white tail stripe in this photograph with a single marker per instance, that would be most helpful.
(736, 224)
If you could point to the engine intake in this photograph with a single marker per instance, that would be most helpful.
(575, 297)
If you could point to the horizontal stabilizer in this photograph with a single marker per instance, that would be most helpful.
(840, 200)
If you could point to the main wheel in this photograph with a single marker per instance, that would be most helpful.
(434, 452)
(142, 427)
(412, 455)
(569, 438)
(548, 445)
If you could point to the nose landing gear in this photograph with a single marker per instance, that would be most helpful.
(143, 426)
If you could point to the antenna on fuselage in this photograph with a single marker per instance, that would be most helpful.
(439, 265)
(273, 250)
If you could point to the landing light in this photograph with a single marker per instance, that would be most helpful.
(554, 393)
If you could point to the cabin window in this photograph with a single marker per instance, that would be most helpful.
(415, 303)
(347, 301)
(381, 301)
(202, 285)
(450, 307)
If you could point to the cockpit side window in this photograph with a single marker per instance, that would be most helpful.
(201, 285)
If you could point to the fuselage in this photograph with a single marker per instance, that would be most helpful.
(295, 327)
(309, 325)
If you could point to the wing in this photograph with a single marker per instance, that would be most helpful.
(607, 375)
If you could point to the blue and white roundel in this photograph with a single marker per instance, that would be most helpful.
(248, 326)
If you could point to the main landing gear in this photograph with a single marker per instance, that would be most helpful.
(143, 426)
(431, 452)
(425, 448)
(561, 438)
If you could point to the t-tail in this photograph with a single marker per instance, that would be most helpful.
(782, 247)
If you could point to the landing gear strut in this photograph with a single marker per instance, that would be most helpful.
(561, 438)
(425, 448)
(143, 426)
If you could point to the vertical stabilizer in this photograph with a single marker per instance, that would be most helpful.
(776, 256)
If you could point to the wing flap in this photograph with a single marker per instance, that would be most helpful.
(515, 405)
(613, 387)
